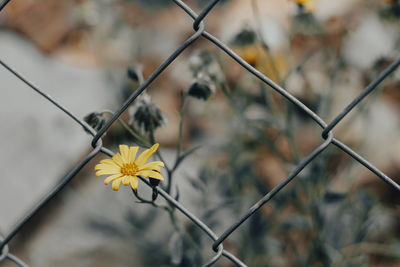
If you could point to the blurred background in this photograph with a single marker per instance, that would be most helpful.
(91, 55)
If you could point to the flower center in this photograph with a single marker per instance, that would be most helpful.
(129, 169)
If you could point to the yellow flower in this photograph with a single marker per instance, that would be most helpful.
(309, 5)
(124, 168)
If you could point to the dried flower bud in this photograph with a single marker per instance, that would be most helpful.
(154, 182)
(245, 37)
(201, 62)
(135, 73)
(144, 115)
(207, 74)
(247, 46)
(202, 88)
(154, 195)
(95, 119)
(305, 23)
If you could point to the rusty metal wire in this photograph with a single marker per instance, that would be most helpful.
(217, 245)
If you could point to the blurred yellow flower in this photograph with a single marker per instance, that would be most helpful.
(308, 5)
(250, 54)
(124, 168)
(272, 65)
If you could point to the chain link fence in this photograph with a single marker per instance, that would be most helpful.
(200, 32)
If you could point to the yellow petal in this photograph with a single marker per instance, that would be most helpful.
(103, 172)
(118, 159)
(126, 180)
(112, 177)
(134, 182)
(116, 183)
(124, 153)
(108, 161)
(150, 168)
(132, 153)
(152, 164)
(310, 6)
(107, 167)
(151, 174)
(146, 155)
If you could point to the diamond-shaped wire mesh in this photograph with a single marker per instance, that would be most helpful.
(200, 32)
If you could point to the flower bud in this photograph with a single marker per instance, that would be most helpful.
(95, 119)
(202, 88)
(154, 182)
(245, 37)
(135, 73)
(145, 115)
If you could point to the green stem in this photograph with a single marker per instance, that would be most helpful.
(289, 132)
(179, 145)
(153, 141)
(268, 98)
(170, 176)
(226, 90)
(172, 217)
(297, 68)
(181, 115)
(145, 201)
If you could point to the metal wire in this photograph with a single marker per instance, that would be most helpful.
(195, 220)
(199, 27)
(274, 191)
(5, 254)
(3, 4)
(3, 251)
(384, 74)
(16, 260)
(147, 82)
(49, 98)
(50, 195)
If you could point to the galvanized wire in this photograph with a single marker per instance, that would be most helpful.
(382, 76)
(16, 260)
(5, 254)
(3, 4)
(199, 27)
(147, 82)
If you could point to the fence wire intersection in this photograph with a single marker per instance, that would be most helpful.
(217, 245)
